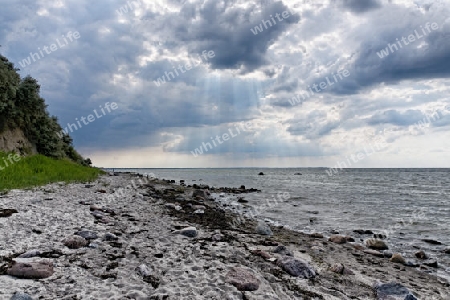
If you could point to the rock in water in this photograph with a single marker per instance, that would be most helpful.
(75, 242)
(32, 270)
(30, 253)
(376, 244)
(261, 173)
(296, 267)
(263, 229)
(393, 291)
(21, 296)
(242, 279)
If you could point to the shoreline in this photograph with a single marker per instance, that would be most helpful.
(145, 248)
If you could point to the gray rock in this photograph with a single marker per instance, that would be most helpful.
(376, 244)
(180, 198)
(30, 253)
(263, 229)
(110, 237)
(282, 250)
(87, 234)
(21, 296)
(393, 291)
(200, 193)
(199, 211)
(189, 232)
(170, 205)
(421, 254)
(296, 267)
(32, 270)
(148, 275)
(75, 242)
(431, 263)
(242, 279)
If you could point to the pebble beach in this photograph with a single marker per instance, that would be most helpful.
(128, 237)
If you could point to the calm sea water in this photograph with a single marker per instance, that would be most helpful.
(407, 205)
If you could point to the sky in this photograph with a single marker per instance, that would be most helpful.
(245, 65)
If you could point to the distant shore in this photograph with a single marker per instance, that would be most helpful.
(161, 240)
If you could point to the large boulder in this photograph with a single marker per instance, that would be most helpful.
(296, 267)
(32, 270)
(242, 279)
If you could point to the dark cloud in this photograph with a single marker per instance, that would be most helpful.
(360, 6)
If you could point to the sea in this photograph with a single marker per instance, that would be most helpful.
(405, 205)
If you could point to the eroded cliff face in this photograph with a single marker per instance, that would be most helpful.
(15, 140)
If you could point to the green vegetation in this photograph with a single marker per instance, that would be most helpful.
(57, 160)
(38, 170)
(22, 107)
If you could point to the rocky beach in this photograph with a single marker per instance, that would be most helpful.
(126, 236)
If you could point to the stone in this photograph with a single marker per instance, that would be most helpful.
(341, 269)
(21, 296)
(30, 253)
(393, 291)
(261, 253)
(362, 231)
(87, 234)
(199, 212)
(217, 237)
(263, 229)
(446, 251)
(75, 242)
(282, 250)
(431, 263)
(200, 193)
(94, 207)
(421, 254)
(189, 232)
(170, 205)
(431, 241)
(98, 214)
(5, 213)
(180, 199)
(373, 252)
(242, 279)
(379, 236)
(397, 258)
(316, 235)
(32, 270)
(376, 244)
(296, 267)
(338, 239)
(110, 237)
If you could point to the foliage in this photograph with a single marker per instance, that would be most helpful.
(22, 107)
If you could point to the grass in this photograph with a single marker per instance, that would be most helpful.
(37, 170)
